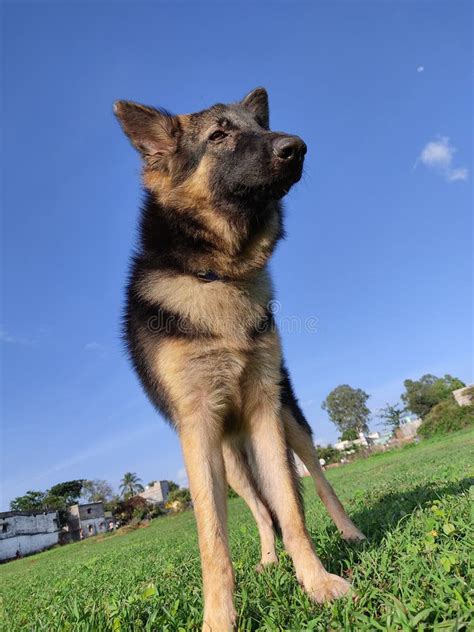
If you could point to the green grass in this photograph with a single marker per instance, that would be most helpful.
(412, 574)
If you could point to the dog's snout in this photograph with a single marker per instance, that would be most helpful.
(289, 148)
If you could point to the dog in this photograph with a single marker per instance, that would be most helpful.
(202, 337)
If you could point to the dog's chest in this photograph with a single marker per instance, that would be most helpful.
(227, 313)
(233, 313)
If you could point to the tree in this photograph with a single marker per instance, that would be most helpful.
(97, 491)
(57, 498)
(392, 415)
(421, 395)
(346, 407)
(349, 435)
(130, 484)
(56, 503)
(172, 486)
(68, 493)
(112, 504)
(31, 501)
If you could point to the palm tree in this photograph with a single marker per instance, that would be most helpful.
(130, 484)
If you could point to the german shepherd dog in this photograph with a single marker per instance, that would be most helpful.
(202, 337)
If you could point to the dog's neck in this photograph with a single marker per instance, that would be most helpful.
(229, 240)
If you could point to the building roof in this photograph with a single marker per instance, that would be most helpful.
(86, 504)
(11, 514)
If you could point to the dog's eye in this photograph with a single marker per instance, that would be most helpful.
(217, 135)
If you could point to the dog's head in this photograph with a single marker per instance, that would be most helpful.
(226, 153)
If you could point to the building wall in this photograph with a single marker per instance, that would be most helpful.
(89, 517)
(347, 445)
(27, 533)
(93, 526)
(157, 493)
(91, 511)
(409, 430)
(463, 395)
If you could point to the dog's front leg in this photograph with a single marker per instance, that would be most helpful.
(202, 449)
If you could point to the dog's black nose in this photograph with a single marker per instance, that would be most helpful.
(289, 147)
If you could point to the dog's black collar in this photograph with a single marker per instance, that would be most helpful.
(208, 276)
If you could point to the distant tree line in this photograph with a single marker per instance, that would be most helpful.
(57, 498)
(127, 506)
(430, 398)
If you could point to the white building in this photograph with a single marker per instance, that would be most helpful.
(156, 494)
(24, 532)
(363, 441)
(408, 429)
(464, 396)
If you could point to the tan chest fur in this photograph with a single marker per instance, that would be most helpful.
(228, 311)
(208, 373)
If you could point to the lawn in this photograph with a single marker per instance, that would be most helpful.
(413, 573)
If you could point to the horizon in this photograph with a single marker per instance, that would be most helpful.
(374, 278)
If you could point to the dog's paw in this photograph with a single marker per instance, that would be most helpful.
(328, 588)
(264, 563)
(353, 535)
(219, 622)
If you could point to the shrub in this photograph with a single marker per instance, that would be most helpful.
(329, 454)
(156, 512)
(447, 416)
(179, 500)
(134, 507)
(140, 513)
(182, 495)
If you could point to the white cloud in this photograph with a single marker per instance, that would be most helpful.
(420, 69)
(13, 340)
(438, 155)
(93, 346)
(458, 174)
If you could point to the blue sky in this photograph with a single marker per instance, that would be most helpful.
(379, 246)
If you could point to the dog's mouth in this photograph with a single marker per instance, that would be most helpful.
(281, 186)
(274, 189)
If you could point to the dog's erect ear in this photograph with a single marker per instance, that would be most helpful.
(257, 102)
(152, 132)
